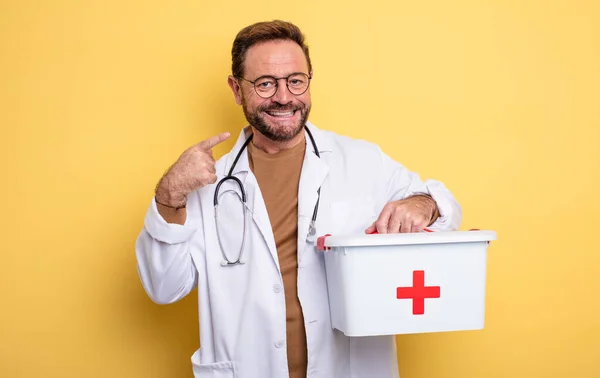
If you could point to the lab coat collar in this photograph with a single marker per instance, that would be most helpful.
(322, 141)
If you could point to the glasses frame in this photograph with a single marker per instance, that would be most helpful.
(287, 84)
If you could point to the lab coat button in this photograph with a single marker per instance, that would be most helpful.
(277, 288)
(279, 344)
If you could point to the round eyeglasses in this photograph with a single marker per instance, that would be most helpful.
(266, 86)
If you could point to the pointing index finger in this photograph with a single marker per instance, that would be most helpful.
(213, 141)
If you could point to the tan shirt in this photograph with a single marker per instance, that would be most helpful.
(278, 176)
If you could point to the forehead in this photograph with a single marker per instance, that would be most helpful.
(275, 58)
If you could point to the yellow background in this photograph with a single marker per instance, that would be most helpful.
(498, 99)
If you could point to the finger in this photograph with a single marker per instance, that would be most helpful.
(419, 225)
(415, 226)
(207, 164)
(213, 141)
(384, 218)
(395, 221)
(212, 178)
(211, 168)
(406, 225)
(210, 160)
(371, 229)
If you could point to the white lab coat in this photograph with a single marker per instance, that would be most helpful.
(241, 308)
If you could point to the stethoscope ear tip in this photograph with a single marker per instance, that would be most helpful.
(224, 263)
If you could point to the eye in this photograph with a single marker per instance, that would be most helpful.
(265, 83)
(297, 81)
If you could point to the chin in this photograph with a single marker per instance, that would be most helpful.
(278, 132)
(285, 133)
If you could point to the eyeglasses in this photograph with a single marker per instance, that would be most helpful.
(266, 86)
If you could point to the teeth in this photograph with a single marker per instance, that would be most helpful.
(287, 114)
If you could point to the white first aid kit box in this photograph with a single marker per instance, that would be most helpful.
(390, 284)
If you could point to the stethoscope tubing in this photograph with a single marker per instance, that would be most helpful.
(226, 262)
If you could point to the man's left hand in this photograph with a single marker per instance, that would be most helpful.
(411, 214)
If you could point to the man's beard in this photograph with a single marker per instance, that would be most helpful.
(274, 133)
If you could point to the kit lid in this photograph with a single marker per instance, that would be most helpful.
(437, 237)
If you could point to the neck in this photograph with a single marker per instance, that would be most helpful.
(272, 147)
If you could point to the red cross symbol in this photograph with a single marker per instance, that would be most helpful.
(418, 292)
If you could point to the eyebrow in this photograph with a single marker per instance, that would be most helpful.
(282, 77)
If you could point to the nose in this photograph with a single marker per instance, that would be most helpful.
(283, 95)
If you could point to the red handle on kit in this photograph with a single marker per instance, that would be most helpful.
(425, 229)
(321, 243)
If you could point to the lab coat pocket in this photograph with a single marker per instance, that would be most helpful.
(222, 369)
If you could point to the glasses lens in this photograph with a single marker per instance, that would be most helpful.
(265, 87)
(298, 83)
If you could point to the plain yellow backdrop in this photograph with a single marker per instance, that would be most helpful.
(498, 99)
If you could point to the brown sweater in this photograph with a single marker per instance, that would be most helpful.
(278, 176)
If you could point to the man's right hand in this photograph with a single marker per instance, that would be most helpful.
(194, 169)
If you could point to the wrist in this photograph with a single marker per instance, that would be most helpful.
(432, 205)
(167, 194)
(434, 212)
(435, 215)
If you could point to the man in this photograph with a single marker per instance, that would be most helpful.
(262, 290)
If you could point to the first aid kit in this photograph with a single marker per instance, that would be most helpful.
(406, 283)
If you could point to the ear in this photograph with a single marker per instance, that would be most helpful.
(236, 89)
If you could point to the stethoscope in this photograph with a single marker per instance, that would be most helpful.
(311, 230)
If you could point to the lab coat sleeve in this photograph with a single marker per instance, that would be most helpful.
(163, 257)
(402, 183)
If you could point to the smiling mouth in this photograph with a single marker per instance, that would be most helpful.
(280, 114)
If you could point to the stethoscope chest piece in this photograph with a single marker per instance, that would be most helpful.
(312, 232)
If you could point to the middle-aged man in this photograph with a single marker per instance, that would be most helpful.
(262, 289)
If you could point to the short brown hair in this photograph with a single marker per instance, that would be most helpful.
(263, 32)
